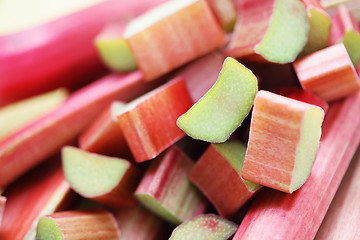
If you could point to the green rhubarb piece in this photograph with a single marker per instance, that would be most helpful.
(234, 152)
(351, 42)
(47, 229)
(223, 108)
(204, 227)
(287, 33)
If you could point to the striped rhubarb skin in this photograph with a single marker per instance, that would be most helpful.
(277, 215)
(79, 224)
(41, 191)
(342, 219)
(150, 126)
(173, 34)
(328, 73)
(283, 141)
(166, 190)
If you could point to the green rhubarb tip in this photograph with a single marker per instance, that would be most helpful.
(224, 107)
(352, 44)
(287, 33)
(47, 229)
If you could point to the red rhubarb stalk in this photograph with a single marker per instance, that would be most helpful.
(298, 216)
(2, 207)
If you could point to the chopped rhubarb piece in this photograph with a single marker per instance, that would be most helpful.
(78, 224)
(320, 24)
(172, 34)
(107, 180)
(2, 206)
(21, 151)
(223, 108)
(284, 138)
(59, 53)
(149, 122)
(342, 218)
(104, 135)
(328, 73)
(225, 12)
(138, 223)
(41, 191)
(218, 175)
(114, 49)
(345, 29)
(166, 190)
(302, 95)
(331, 6)
(204, 227)
(299, 215)
(271, 30)
(17, 115)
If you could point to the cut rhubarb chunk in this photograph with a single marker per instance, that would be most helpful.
(114, 49)
(225, 12)
(328, 73)
(149, 122)
(345, 29)
(166, 190)
(107, 180)
(342, 219)
(41, 191)
(299, 215)
(271, 30)
(2, 207)
(172, 34)
(204, 227)
(79, 224)
(283, 142)
(104, 135)
(17, 115)
(223, 108)
(218, 175)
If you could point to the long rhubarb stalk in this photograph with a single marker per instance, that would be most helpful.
(276, 215)
(44, 137)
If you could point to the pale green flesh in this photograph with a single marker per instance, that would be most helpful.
(234, 152)
(287, 33)
(116, 54)
(352, 45)
(204, 227)
(47, 229)
(223, 108)
(92, 175)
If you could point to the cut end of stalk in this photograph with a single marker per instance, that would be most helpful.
(48, 229)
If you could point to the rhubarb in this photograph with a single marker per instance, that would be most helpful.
(299, 215)
(2, 206)
(225, 12)
(149, 122)
(107, 180)
(328, 73)
(172, 34)
(217, 174)
(223, 108)
(80, 224)
(166, 190)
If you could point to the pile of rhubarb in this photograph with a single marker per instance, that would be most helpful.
(182, 119)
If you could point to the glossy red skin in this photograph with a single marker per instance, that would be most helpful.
(150, 127)
(59, 53)
(299, 215)
(34, 143)
(29, 196)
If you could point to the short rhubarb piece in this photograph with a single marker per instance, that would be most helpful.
(225, 12)
(149, 122)
(114, 49)
(78, 224)
(172, 34)
(166, 190)
(343, 216)
(107, 180)
(138, 223)
(204, 227)
(2, 207)
(223, 108)
(16, 115)
(345, 29)
(328, 73)
(217, 174)
(271, 30)
(283, 142)
(104, 135)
